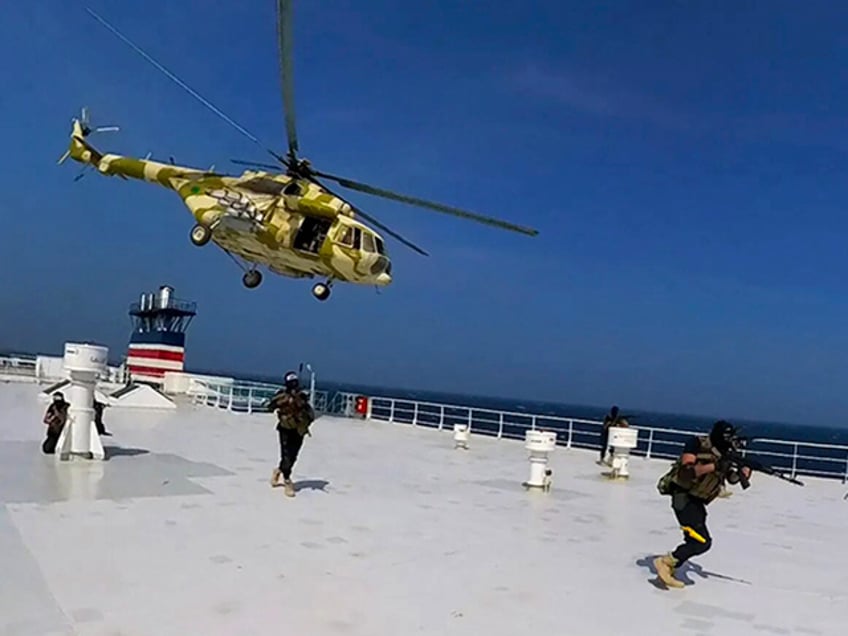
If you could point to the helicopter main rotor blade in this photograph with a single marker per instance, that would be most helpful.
(389, 231)
(186, 87)
(445, 209)
(370, 218)
(255, 164)
(284, 39)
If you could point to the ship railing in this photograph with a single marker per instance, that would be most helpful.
(794, 457)
(252, 397)
(18, 366)
(173, 304)
(27, 367)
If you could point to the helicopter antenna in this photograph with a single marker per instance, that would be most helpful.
(185, 86)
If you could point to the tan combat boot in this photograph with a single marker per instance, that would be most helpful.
(275, 477)
(289, 488)
(665, 570)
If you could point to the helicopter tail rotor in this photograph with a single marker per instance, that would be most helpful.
(79, 148)
(81, 129)
(85, 125)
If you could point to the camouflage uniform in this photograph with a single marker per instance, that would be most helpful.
(294, 415)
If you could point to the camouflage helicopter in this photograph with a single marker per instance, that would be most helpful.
(287, 221)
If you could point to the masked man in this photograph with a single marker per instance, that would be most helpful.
(695, 480)
(294, 415)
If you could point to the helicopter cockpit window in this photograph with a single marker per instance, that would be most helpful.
(368, 242)
(381, 249)
(351, 238)
(347, 237)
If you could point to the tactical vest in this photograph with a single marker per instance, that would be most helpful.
(706, 487)
(293, 411)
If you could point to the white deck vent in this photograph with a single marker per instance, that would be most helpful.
(621, 441)
(461, 435)
(540, 444)
(84, 363)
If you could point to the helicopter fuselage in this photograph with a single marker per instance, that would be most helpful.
(292, 223)
(291, 226)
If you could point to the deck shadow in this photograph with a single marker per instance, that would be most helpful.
(29, 476)
(683, 573)
(311, 484)
(123, 451)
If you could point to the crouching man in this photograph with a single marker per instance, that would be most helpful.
(54, 418)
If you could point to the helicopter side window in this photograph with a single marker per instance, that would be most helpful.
(347, 238)
(368, 242)
(357, 238)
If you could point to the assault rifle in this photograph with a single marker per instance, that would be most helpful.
(737, 460)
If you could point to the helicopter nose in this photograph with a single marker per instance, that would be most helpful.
(382, 266)
(384, 279)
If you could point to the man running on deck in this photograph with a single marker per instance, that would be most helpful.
(693, 482)
(294, 415)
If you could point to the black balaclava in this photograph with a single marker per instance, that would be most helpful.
(722, 435)
(292, 381)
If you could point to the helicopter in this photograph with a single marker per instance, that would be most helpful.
(280, 217)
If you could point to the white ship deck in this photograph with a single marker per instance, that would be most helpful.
(392, 532)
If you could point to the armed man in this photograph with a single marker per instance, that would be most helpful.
(294, 415)
(695, 480)
(54, 418)
(610, 419)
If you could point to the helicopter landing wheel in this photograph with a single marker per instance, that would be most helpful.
(252, 278)
(200, 235)
(321, 291)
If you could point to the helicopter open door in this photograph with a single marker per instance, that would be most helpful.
(311, 234)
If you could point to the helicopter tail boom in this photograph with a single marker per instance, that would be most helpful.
(81, 150)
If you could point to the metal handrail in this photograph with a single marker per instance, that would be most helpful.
(27, 366)
(172, 304)
(796, 457)
(409, 411)
(571, 432)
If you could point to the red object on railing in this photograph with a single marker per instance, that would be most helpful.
(361, 405)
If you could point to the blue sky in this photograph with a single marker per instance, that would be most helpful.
(685, 166)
